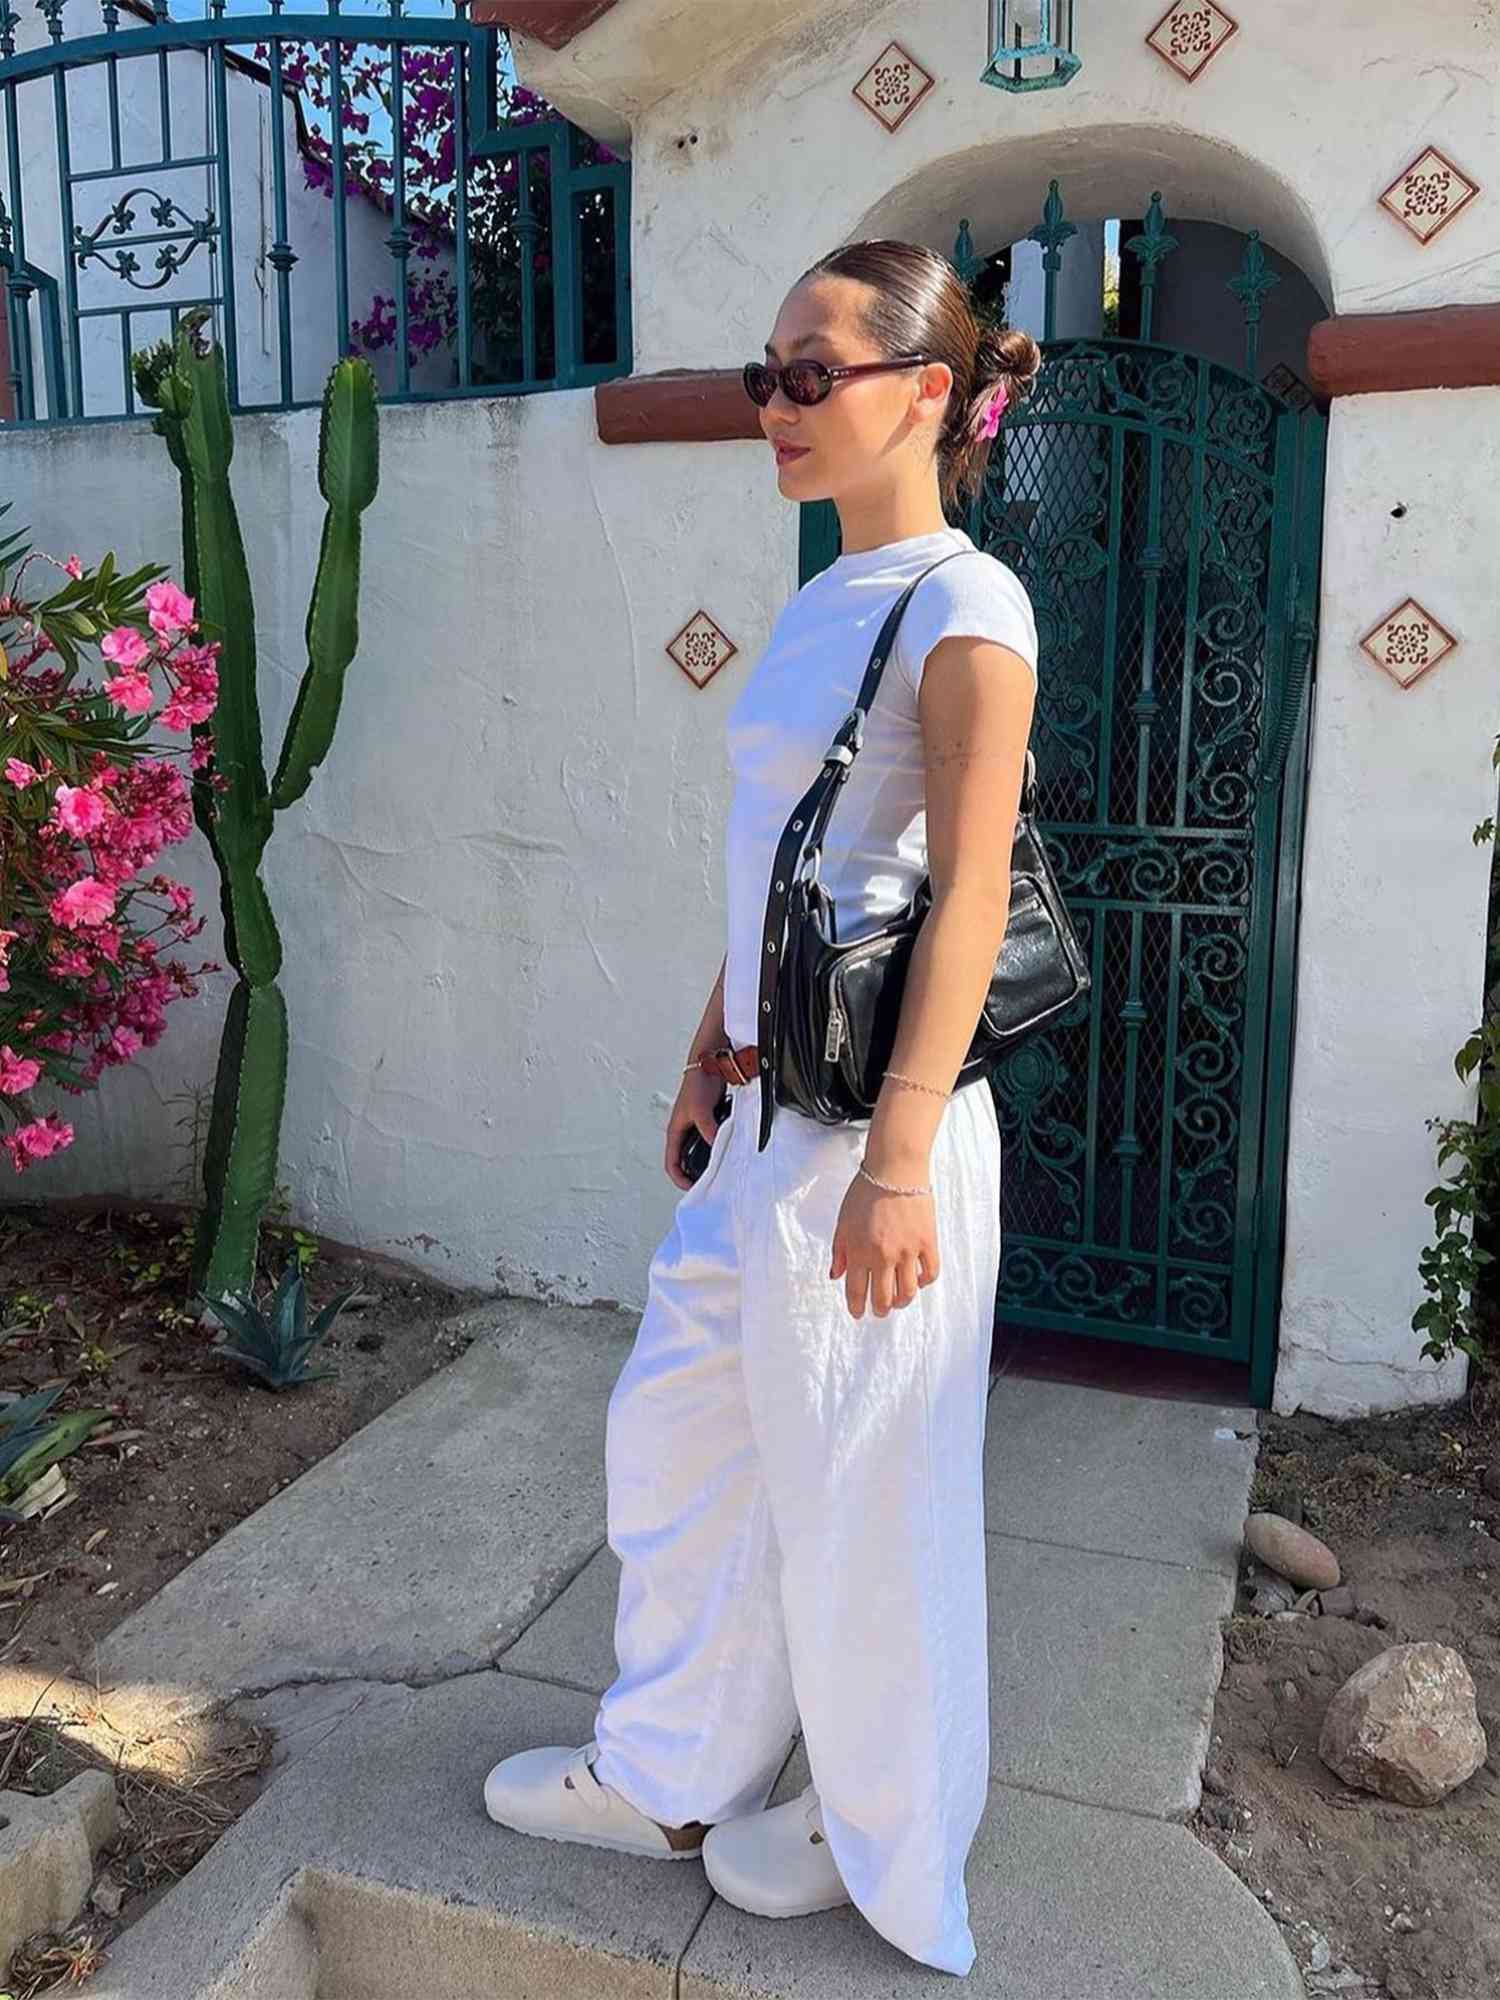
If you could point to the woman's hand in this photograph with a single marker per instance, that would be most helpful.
(694, 1105)
(884, 1246)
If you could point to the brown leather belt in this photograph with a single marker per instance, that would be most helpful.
(741, 1065)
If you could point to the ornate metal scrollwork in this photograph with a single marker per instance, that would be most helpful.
(120, 219)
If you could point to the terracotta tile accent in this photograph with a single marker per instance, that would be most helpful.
(1190, 34)
(893, 86)
(701, 648)
(1408, 642)
(1425, 196)
(1443, 347)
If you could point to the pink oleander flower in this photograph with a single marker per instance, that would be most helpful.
(169, 609)
(74, 567)
(86, 901)
(37, 1140)
(80, 809)
(20, 773)
(187, 706)
(17, 1073)
(130, 691)
(124, 646)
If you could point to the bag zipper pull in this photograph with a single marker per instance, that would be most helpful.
(835, 1035)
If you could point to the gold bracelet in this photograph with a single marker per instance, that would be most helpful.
(918, 1086)
(887, 1186)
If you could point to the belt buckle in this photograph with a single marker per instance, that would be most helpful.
(728, 1054)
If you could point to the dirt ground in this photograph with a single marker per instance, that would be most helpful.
(1406, 1896)
(97, 1301)
(96, 1298)
(1377, 1899)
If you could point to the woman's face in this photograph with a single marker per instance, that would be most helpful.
(870, 430)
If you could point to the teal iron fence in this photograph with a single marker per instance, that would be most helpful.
(1164, 510)
(360, 179)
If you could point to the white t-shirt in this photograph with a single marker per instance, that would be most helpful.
(801, 688)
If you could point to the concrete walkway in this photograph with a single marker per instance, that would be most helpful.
(439, 1593)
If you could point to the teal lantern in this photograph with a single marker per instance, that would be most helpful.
(1024, 33)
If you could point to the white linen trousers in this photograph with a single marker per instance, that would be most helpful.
(795, 1496)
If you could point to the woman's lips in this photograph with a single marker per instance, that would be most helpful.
(785, 453)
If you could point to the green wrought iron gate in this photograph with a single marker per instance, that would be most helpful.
(1164, 512)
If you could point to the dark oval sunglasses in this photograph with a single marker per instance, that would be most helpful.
(808, 382)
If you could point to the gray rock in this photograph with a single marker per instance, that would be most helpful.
(1292, 1551)
(1272, 1596)
(1405, 1725)
(1337, 1603)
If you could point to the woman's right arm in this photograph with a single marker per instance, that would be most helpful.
(710, 1033)
(700, 1090)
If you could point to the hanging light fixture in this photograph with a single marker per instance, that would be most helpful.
(1025, 33)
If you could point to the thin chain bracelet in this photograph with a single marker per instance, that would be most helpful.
(887, 1186)
(932, 1087)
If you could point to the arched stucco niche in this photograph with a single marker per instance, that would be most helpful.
(1103, 171)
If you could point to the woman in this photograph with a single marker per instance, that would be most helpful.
(795, 1493)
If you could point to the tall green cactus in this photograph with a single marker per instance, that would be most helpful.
(183, 379)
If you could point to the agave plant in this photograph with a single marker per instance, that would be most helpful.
(28, 1444)
(275, 1345)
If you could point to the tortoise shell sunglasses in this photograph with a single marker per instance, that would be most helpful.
(808, 382)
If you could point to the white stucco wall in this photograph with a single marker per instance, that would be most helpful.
(501, 899)
(1391, 964)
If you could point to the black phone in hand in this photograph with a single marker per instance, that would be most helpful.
(695, 1148)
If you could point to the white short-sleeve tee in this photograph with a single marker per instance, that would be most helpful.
(801, 688)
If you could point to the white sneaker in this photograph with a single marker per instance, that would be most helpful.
(776, 1863)
(553, 1793)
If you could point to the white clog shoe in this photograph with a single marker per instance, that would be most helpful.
(775, 1863)
(554, 1794)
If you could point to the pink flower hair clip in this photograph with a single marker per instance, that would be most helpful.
(988, 420)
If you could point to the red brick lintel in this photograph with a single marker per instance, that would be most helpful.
(1445, 347)
(1448, 347)
(554, 22)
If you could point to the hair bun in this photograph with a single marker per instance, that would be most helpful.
(1017, 355)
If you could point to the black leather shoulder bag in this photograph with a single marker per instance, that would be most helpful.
(829, 1012)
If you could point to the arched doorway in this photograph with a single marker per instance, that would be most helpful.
(1163, 506)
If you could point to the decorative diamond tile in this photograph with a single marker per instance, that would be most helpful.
(700, 649)
(1286, 383)
(893, 86)
(1427, 195)
(1407, 642)
(1190, 34)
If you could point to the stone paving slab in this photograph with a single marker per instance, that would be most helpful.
(425, 1544)
(1066, 1901)
(370, 1871)
(1078, 1641)
(573, 1641)
(1103, 1671)
(1128, 1475)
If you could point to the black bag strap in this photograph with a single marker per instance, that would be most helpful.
(803, 833)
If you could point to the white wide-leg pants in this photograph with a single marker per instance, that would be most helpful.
(795, 1498)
